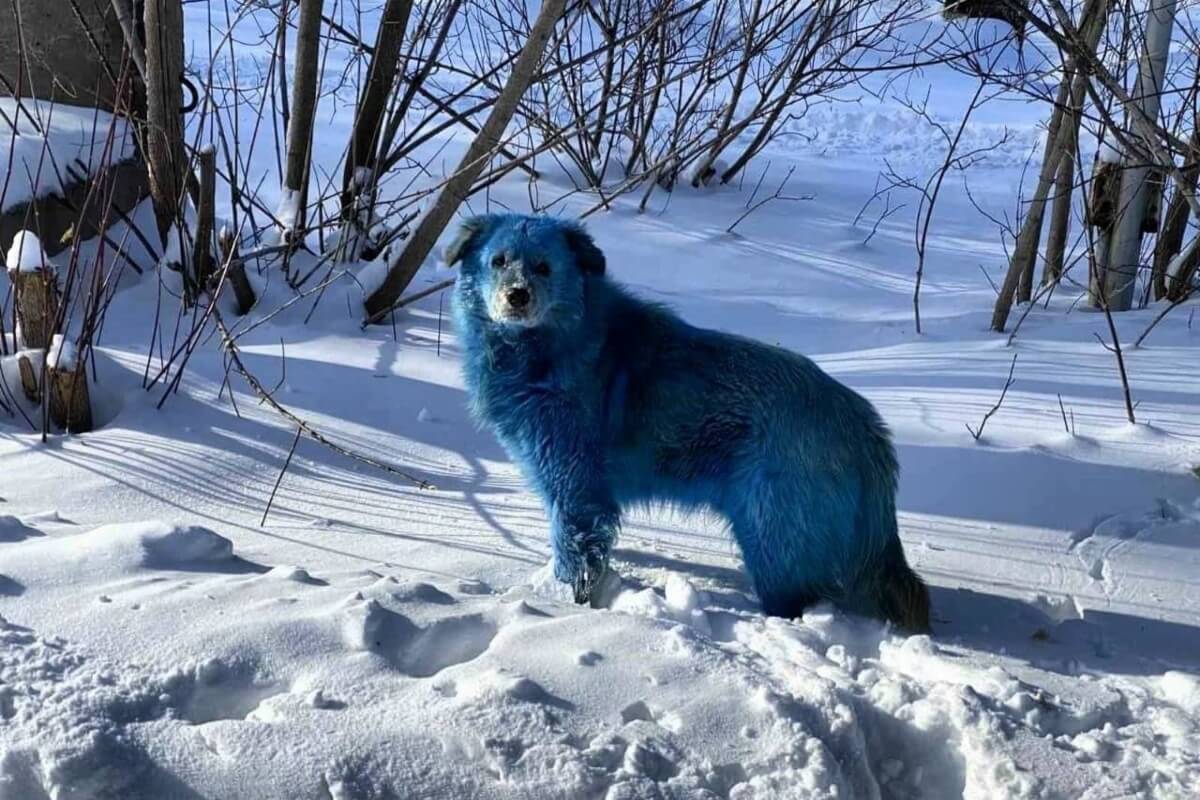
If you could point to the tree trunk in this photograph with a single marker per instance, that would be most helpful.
(1019, 278)
(404, 266)
(123, 9)
(1120, 271)
(368, 118)
(166, 160)
(236, 271)
(1170, 238)
(1181, 270)
(1055, 152)
(1060, 212)
(1060, 220)
(1025, 251)
(300, 125)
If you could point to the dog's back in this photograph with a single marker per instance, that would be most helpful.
(801, 465)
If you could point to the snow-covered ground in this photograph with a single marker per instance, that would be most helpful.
(44, 143)
(374, 640)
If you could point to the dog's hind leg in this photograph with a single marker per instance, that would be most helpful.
(792, 538)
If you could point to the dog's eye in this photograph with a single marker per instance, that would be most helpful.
(498, 261)
(541, 268)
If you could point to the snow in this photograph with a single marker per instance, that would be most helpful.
(288, 210)
(25, 254)
(62, 353)
(373, 274)
(375, 638)
(159, 640)
(1109, 152)
(45, 141)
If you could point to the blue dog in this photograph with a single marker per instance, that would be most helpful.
(606, 401)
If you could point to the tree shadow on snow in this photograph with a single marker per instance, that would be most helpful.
(1100, 640)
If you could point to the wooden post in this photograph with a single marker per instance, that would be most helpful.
(202, 255)
(70, 405)
(37, 304)
(66, 384)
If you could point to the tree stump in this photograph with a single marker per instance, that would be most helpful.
(70, 405)
(37, 304)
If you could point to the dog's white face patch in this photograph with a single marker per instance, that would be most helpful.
(501, 308)
(514, 297)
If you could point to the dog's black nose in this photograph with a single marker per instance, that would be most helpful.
(518, 297)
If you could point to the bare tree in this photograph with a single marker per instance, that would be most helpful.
(359, 179)
(1018, 279)
(1119, 273)
(408, 260)
(1175, 222)
(166, 160)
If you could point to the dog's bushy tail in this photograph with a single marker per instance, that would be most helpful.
(902, 596)
(896, 592)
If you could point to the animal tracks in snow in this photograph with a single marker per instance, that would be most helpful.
(411, 649)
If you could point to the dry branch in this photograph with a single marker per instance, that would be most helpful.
(235, 358)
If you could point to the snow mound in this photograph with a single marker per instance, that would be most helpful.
(14, 530)
(62, 354)
(113, 550)
(162, 546)
(51, 137)
(25, 254)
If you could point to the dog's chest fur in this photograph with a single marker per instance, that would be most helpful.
(512, 377)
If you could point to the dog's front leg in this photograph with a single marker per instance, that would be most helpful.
(584, 517)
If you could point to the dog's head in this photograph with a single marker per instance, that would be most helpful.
(523, 270)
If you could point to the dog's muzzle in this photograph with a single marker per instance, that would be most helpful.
(517, 298)
(514, 303)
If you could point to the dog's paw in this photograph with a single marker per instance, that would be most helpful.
(589, 579)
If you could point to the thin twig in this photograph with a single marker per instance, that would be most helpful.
(975, 434)
(279, 480)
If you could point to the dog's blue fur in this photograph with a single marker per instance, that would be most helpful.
(606, 400)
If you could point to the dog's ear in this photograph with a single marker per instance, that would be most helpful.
(587, 255)
(468, 235)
